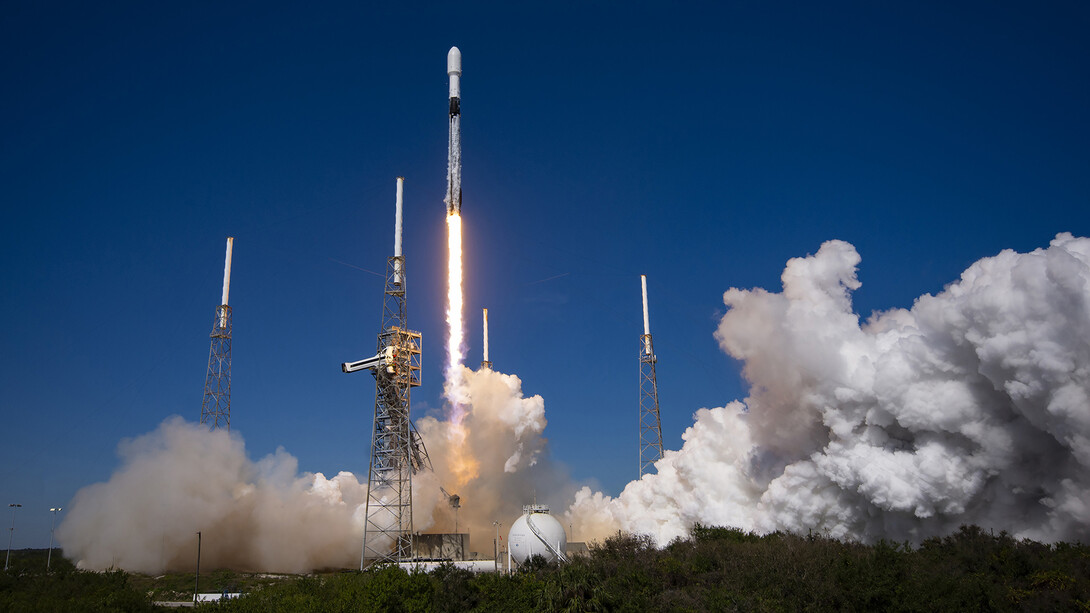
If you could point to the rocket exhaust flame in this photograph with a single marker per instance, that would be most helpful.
(461, 460)
(455, 342)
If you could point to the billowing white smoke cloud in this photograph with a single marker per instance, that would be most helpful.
(971, 407)
(181, 478)
(265, 516)
(503, 463)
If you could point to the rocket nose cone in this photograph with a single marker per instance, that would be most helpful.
(454, 61)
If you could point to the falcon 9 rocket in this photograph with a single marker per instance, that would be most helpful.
(454, 146)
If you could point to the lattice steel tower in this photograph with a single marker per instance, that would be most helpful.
(216, 407)
(650, 425)
(396, 449)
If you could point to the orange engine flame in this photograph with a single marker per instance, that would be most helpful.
(464, 466)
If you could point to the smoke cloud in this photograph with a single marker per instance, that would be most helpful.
(181, 478)
(266, 516)
(501, 464)
(972, 407)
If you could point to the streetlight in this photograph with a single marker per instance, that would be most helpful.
(496, 545)
(197, 580)
(7, 561)
(49, 558)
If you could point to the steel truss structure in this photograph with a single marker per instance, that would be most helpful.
(650, 424)
(216, 407)
(396, 449)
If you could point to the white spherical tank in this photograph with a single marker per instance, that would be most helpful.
(537, 533)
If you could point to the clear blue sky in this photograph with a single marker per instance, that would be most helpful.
(702, 144)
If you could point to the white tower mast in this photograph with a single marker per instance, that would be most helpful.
(486, 363)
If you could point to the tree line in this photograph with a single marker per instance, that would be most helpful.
(712, 569)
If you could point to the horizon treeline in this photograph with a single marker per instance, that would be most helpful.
(713, 569)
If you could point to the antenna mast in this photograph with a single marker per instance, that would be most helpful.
(216, 407)
(650, 425)
(486, 363)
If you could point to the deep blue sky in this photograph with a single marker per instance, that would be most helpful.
(702, 144)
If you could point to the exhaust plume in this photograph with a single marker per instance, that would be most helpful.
(972, 407)
(266, 516)
(503, 442)
(456, 455)
(181, 478)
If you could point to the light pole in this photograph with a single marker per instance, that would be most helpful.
(197, 579)
(496, 545)
(7, 561)
(49, 558)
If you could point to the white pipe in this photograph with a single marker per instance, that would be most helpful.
(397, 217)
(486, 335)
(646, 324)
(397, 230)
(646, 320)
(227, 271)
(226, 282)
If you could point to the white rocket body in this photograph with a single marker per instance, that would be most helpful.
(453, 198)
(454, 71)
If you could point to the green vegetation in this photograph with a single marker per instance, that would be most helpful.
(722, 569)
(178, 587)
(27, 587)
(714, 569)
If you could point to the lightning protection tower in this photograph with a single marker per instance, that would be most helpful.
(396, 449)
(216, 407)
(485, 362)
(650, 425)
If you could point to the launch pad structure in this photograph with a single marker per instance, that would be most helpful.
(216, 406)
(650, 424)
(389, 509)
(397, 451)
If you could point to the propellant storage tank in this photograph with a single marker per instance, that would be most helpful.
(537, 533)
